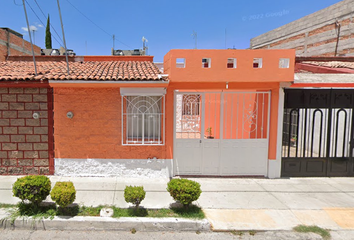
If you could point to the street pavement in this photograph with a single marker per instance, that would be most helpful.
(232, 203)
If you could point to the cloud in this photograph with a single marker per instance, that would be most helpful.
(40, 25)
(32, 28)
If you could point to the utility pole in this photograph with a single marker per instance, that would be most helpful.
(29, 33)
(62, 28)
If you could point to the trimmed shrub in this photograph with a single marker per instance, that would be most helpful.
(63, 193)
(32, 188)
(134, 195)
(184, 191)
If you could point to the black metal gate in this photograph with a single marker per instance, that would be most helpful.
(318, 133)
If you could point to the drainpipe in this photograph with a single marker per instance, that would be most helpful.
(338, 33)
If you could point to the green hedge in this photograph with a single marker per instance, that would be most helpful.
(184, 191)
(63, 193)
(32, 188)
(134, 195)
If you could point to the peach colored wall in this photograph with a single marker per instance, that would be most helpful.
(95, 129)
(193, 71)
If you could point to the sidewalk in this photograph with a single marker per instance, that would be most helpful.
(232, 203)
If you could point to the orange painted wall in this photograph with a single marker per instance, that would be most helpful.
(218, 72)
(95, 129)
(273, 118)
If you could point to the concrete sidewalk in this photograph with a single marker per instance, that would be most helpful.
(232, 204)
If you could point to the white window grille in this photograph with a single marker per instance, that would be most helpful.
(143, 120)
(284, 62)
(257, 63)
(231, 63)
(180, 62)
(206, 63)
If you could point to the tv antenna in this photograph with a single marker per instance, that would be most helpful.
(194, 34)
(145, 47)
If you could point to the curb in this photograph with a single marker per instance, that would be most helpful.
(108, 224)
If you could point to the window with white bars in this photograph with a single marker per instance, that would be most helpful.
(143, 120)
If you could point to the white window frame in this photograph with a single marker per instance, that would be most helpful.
(284, 62)
(233, 61)
(206, 60)
(148, 93)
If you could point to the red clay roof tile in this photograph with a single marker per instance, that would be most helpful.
(90, 71)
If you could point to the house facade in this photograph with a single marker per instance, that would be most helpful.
(211, 113)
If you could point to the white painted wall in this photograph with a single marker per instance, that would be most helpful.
(133, 168)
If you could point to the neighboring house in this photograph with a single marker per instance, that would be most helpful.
(328, 32)
(13, 44)
(318, 137)
(212, 113)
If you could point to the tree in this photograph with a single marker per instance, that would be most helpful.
(48, 35)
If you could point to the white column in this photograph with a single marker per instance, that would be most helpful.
(274, 167)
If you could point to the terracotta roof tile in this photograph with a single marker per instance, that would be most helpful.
(90, 71)
(332, 64)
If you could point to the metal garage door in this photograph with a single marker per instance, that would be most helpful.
(221, 133)
(317, 133)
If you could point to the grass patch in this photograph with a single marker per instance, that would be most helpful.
(193, 212)
(4, 205)
(49, 210)
(325, 234)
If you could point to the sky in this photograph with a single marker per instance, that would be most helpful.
(89, 25)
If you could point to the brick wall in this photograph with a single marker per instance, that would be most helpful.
(25, 141)
(315, 34)
(95, 130)
(11, 44)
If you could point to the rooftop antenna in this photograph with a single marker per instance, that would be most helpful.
(29, 33)
(34, 37)
(195, 38)
(144, 45)
(62, 28)
(114, 38)
(225, 38)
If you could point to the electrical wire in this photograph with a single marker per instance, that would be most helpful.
(111, 35)
(41, 21)
(17, 4)
(49, 23)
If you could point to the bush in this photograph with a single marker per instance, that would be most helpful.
(134, 195)
(184, 191)
(63, 193)
(32, 188)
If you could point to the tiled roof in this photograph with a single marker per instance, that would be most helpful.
(86, 70)
(332, 64)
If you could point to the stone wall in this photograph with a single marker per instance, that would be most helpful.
(24, 140)
(315, 34)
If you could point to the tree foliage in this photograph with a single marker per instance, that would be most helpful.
(48, 35)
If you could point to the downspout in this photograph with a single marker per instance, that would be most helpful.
(338, 34)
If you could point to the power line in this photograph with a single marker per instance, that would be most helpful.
(49, 23)
(41, 21)
(97, 25)
(17, 4)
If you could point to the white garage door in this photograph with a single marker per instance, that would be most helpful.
(221, 133)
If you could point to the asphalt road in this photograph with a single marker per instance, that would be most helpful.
(7, 234)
